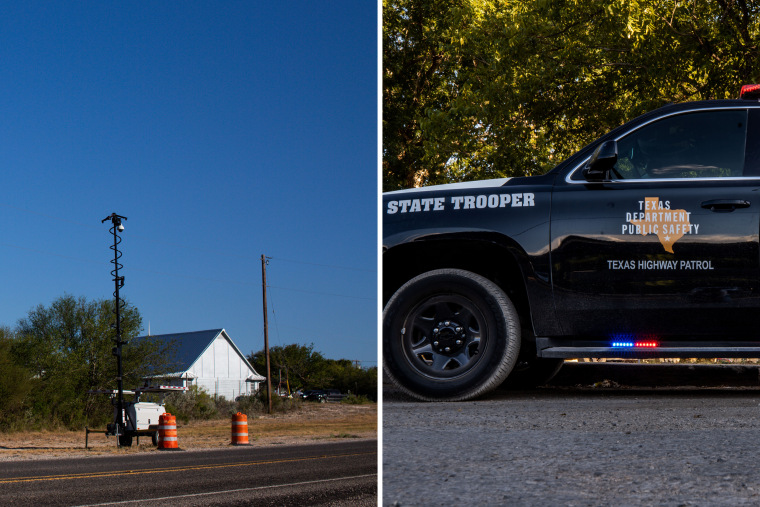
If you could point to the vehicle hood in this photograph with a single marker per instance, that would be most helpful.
(496, 182)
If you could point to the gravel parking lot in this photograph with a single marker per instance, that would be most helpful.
(599, 441)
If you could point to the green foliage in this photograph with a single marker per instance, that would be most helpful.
(257, 404)
(225, 407)
(350, 379)
(303, 368)
(66, 350)
(251, 405)
(59, 352)
(195, 403)
(353, 399)
(15, 383)
(279, 403)
(300, 365)
(475, 89)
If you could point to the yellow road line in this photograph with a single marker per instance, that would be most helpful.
(144, 471)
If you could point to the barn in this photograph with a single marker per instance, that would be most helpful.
(210, 360)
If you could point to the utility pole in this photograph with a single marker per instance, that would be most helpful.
(116, 228)
(266, 331)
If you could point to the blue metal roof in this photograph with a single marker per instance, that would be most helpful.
(188, 347)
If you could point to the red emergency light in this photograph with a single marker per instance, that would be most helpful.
(628, 342)
(750, 91)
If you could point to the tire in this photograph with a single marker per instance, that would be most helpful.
(533, 372)
(154, 438)
(449, 335)
(125, 440)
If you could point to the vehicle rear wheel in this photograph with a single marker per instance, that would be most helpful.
(450, 335)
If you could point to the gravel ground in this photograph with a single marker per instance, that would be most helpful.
(594, 444)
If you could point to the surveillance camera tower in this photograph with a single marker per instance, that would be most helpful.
(117, 227)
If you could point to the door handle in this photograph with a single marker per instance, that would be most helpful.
(725, 205)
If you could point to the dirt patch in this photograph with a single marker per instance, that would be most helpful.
(312, 423)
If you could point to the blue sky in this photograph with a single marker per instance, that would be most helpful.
(222, 131)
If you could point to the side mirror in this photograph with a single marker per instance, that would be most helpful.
(603, 159)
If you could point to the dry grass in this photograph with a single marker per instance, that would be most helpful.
(312, 423)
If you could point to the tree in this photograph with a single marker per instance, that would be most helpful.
(416, 77)
(67, 347)
(349, 378)
(303, 366)
(493, 89)
(14, 381)
(307, 369)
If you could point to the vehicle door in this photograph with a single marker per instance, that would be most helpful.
(667, 246)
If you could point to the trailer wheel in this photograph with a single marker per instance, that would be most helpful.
(450, 335)
(154, 438)
(125, 440)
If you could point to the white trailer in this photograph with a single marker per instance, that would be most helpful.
(140, 417)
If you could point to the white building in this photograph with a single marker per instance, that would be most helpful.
(209, 360)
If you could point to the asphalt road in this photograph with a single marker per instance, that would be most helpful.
(593, 439)
(342, 473)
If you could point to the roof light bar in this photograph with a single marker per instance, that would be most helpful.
(750, 92)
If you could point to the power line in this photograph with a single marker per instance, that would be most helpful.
(321, 293)
(326, 265)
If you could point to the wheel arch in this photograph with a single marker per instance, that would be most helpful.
(490, 255)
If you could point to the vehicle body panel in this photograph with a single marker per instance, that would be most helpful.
(514, 217)
(587, 270)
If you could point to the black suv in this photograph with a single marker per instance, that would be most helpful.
(646, 243)
(322, 395)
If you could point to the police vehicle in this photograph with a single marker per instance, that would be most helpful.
(646, 243)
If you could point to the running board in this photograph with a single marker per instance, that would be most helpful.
(545, 348)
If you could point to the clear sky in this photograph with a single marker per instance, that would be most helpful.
(222, 131)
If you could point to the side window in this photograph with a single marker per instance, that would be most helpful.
(707, 144)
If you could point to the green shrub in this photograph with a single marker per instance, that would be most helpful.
(353, 399)
(279, 404)
(251, 405)
(195, 403)
(225, 407)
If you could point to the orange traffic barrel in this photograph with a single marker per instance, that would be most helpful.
(240, 429)
(167, 432)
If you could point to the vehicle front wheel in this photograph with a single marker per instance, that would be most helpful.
(449, 335)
